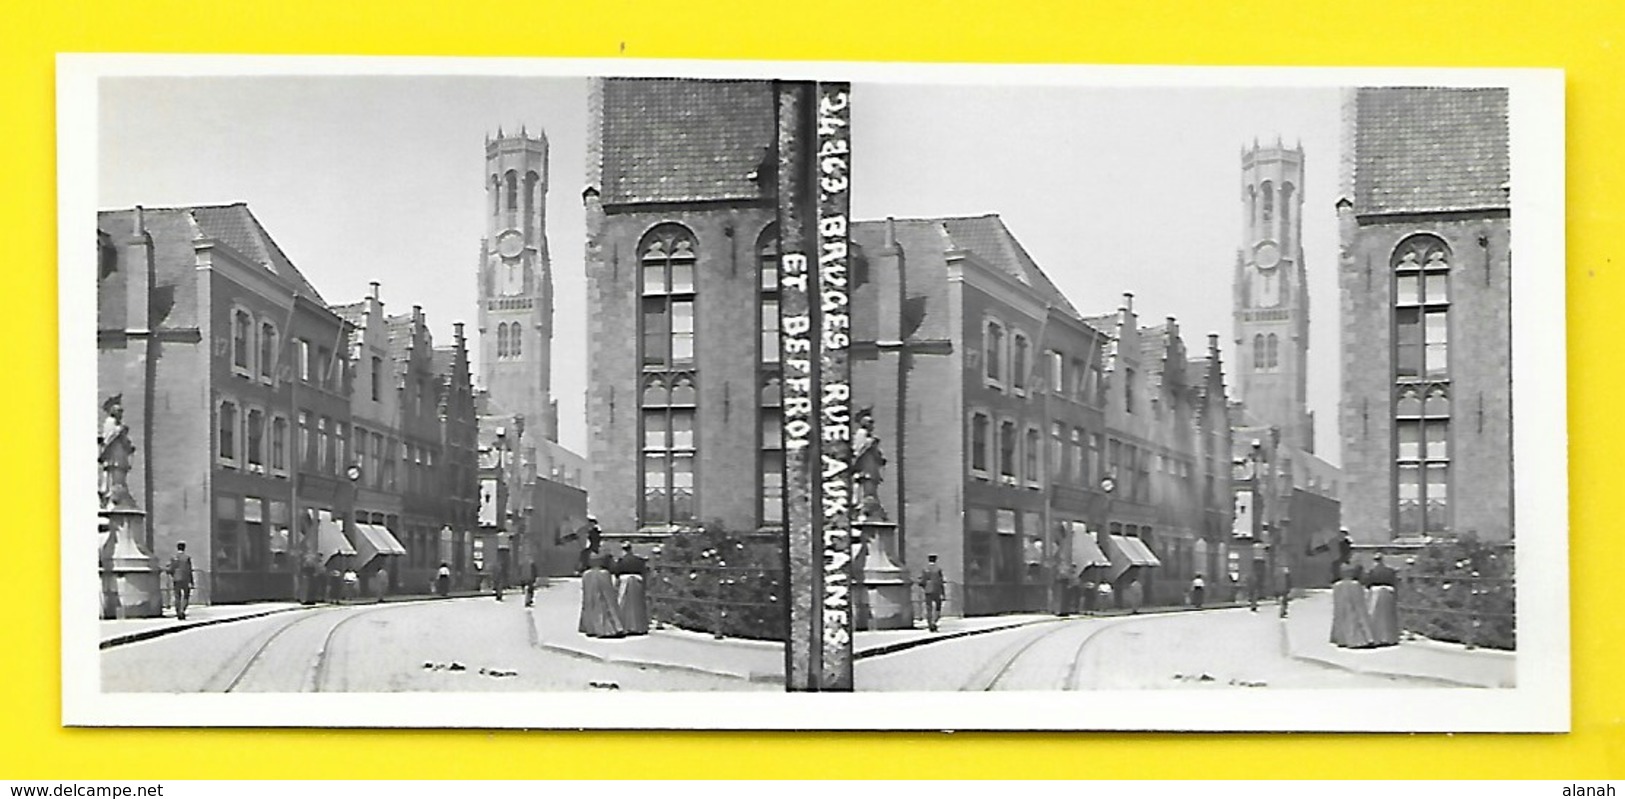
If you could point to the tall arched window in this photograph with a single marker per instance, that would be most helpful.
(993, 351)
(516, 340)
(1252, 205)
(532, 199)
(502, 339)
(267, 350)
(226, 434)
(1421, 275)
(667, 260)
(1272, 353)
(1286, 208)
(1259, 361)
(242, 334)
(1268, 190)
(512, 204)
(1018, 361)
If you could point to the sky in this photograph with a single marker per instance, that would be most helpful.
(362, 178)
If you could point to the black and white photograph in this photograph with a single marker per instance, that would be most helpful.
(529, 393)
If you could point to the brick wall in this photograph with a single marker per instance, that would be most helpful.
(1480, 374)
(726, 363)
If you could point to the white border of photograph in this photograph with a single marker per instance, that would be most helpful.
(1540, 702)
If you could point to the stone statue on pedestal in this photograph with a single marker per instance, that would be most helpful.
(867, 461)
(116, 452)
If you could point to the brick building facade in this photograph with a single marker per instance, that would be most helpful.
(1424, 214)
(682, 348)
(247, 413)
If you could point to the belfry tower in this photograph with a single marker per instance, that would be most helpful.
(516, 283)
(1271, 295)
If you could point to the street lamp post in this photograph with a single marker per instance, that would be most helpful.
(1108, 486)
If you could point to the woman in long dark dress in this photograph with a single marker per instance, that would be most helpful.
(1380, 580)
(600, 612)
(1351, 621)
(633, 573)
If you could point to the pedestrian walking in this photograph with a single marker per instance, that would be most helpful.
(1380, 582)
(380, 583)
(1198, 589)
(352, 585)
(1091, 592)
(442, 580)
(632, 572)
(1286, 588)
(934, 587)
(180, 578)
(600, 608)
(527, 577)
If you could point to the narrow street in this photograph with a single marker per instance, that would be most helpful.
(475, 644)
(1228, 648)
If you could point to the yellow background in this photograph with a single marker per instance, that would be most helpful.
(1585, 38)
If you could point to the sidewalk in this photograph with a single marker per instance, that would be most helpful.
(558, 609)
(117, 632)
(1307, 629)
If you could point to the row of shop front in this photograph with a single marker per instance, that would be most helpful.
(253, 555)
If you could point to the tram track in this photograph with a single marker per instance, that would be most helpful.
(235, 674)
(1002, 666)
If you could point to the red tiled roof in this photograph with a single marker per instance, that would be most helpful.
(684, 140)
(1430, 149)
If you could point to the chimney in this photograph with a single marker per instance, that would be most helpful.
(1128, 302)
(375, 285)
(891, 232)
(1213, 343)
(457, 332)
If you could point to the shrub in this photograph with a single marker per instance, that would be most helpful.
(710, 580)
(1462, 590)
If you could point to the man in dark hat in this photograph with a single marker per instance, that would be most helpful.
(933, 586)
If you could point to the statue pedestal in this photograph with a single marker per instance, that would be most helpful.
(887, 597)
(129, 576)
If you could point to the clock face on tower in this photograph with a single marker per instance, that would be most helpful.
(510, 244)
(1267, 255)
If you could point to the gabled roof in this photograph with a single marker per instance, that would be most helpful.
(1430, 150)
(928, 241)
(990, 240)
(1105, 323)
(684, 140)
(237, 227)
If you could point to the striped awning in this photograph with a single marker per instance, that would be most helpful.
(374, 540)
(330, 540)
(1085, 552)
(1127, 552)
(1138, 553)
